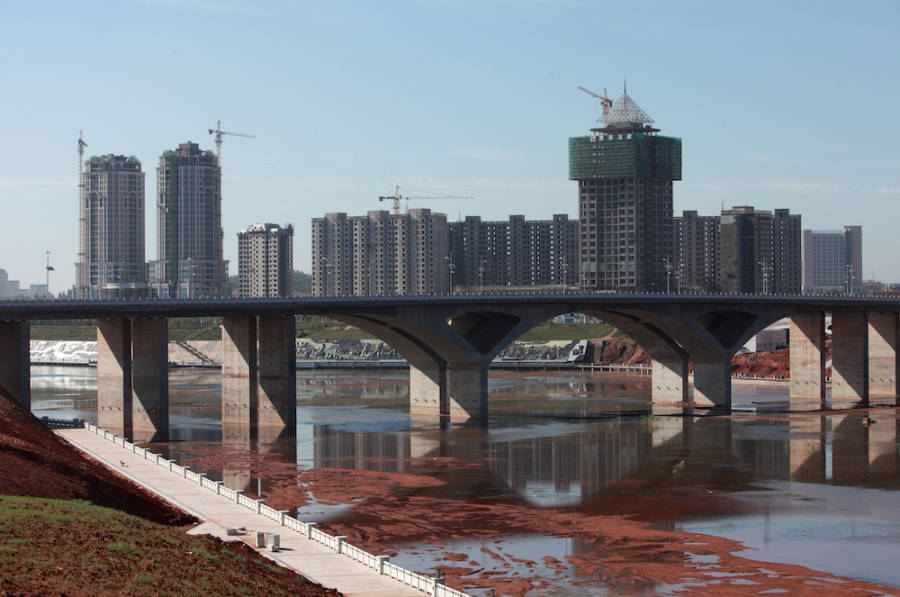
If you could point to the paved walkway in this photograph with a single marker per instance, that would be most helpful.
(309, 558)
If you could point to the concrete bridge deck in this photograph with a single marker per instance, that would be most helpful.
(307, 557)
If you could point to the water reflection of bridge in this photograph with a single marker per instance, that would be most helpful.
(618, 456)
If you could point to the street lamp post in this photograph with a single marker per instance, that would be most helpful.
(668, 272)
(849, 278)
(451, 267)
(765, 274)
(481, 277)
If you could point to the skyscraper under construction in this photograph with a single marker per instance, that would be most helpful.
(189, 225)
(625, 172)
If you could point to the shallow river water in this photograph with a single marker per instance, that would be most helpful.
(492, 502)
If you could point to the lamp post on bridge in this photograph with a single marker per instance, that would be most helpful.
(481, 277)
(451, 267)
(668, 265)
(850, 277)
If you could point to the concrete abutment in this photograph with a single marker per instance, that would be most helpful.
(15, 364)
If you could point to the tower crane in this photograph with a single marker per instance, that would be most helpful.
(396, 197)
(218, 132)
(607, 103)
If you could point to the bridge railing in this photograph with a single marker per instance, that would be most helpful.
(381, 564)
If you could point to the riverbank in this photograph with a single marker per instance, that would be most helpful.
(77, 528)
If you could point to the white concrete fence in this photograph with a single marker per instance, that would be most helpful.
(427, 584)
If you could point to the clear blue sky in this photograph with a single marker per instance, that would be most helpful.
(778, 105)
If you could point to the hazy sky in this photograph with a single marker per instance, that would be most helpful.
(779, 104)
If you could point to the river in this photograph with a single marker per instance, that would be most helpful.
(572, 488)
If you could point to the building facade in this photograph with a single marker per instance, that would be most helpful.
(625, 172)
(517, 252)
(832, 260)
(759, 251)
(265, 260)
(189, 225)
(696, 265)
(380, 254)
(111, 260)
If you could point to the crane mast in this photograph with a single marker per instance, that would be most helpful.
(82, 232)
(607, 103)
(218, 132)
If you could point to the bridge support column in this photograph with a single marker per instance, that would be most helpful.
(428, 391)
(849, 360)
(467, 391)
(669, 382)
(150, 379)
(807, 339)
(712, 383)
(883, 379)
(278, 372)
(114, 393)
(15, 361)
(240, 401)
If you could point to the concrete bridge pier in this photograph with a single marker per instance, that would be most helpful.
(150, 379)
(712, 383)
(259, 377)
(669, 382)
(15, 361)
(240, 400)
(467, 390)
(849, 359)
(277, 374)
(428, 390)
(114, 375)
(883, 366)
(807, 340)
(133, 378)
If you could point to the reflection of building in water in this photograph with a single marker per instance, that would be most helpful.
(386, 452)
(581, 464)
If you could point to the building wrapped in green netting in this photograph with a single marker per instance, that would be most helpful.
(635, 154)
(625, 173)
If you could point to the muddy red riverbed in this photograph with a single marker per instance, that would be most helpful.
(572, 488)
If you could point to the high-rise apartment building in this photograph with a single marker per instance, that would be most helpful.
(696, 264)
(265, 260)
(759, 252)
(111, 261)
(832, 260)
(787, 253)
(4, 284)
(189, 225)
(625, 172)
(380, 253)
(517, 252)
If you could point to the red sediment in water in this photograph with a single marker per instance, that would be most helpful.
(625, 554)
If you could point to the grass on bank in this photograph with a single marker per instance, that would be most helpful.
(73, 547)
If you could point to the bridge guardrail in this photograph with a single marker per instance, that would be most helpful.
(381, 564)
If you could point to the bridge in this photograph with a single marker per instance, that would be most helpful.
(450, 341)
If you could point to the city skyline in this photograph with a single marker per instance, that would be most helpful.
(462, 98)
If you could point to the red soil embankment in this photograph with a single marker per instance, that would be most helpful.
(35, 462)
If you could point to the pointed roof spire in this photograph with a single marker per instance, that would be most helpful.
(626, 113)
